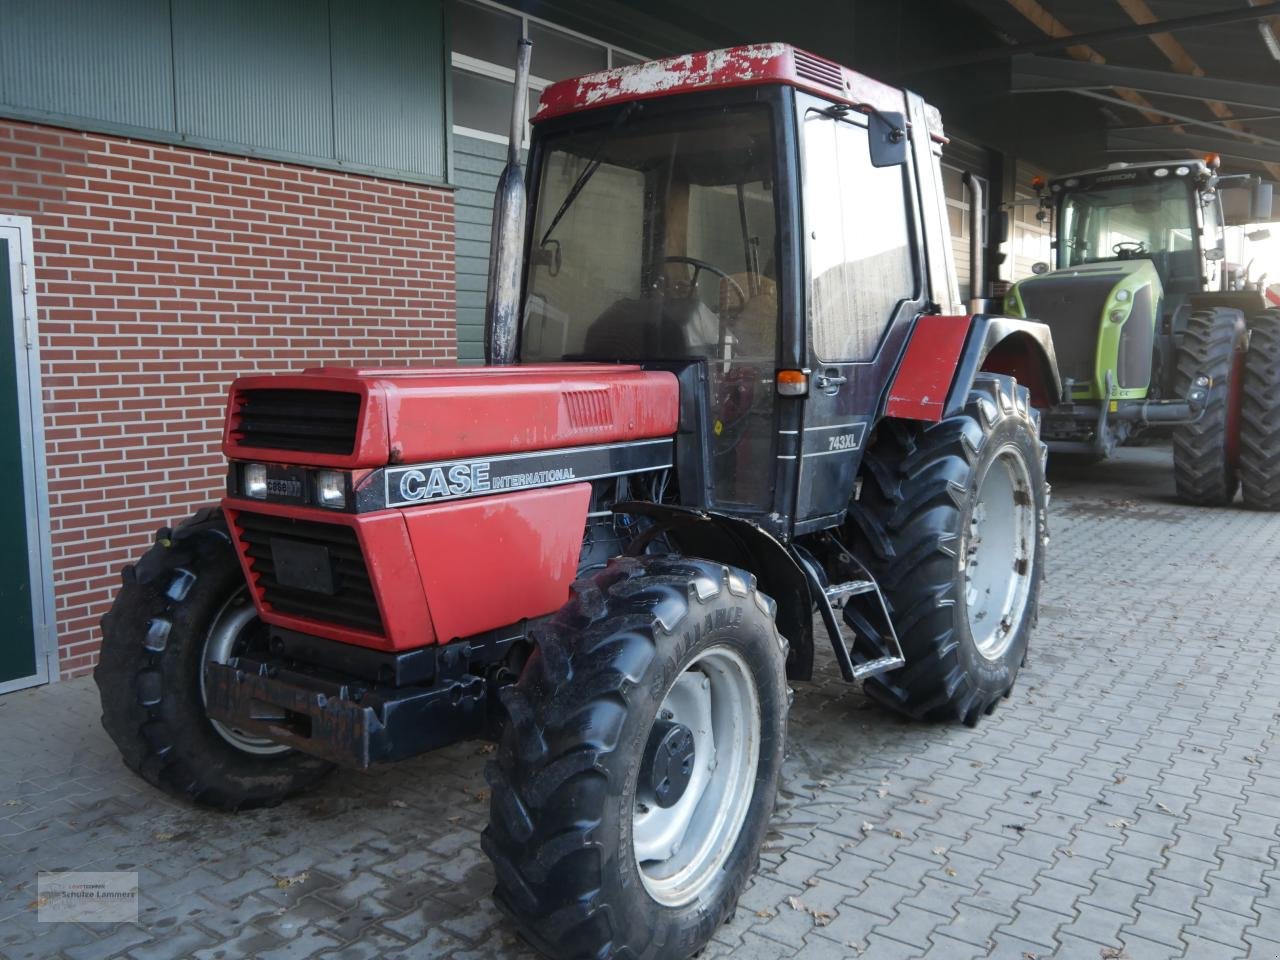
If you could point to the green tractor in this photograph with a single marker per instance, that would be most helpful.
(1155, 331)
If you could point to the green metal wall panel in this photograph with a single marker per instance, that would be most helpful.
(352, 85)
(254, 73)
(388, 84)
(95, 61)
(477, 166)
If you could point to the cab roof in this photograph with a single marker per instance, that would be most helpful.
(751, 65)
(1194, 168)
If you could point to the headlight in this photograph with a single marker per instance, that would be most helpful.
(1119, 316)
(331, 489)
(255, 481)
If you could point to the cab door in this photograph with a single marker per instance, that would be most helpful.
(862, 285)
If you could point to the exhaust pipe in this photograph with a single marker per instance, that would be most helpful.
(977, 282)
(502, 297)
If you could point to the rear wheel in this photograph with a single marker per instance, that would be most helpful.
(1206, 452)
(951, 523)
(1260, 414)
(635, 779)
(184, 603)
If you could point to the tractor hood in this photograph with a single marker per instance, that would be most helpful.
(1102, 316)
(366, 418)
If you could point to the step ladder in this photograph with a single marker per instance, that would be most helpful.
(882, 638)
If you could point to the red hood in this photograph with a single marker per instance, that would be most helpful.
(415, 415)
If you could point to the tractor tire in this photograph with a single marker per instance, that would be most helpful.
(1260, 414)
(1206, 452)
(635, 779)
(951, 522)
(185, 599)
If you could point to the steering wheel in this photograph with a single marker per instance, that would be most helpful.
(1128, 249)
(699, 266)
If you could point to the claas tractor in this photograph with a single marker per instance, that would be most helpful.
(730, 395)
(1154, 330)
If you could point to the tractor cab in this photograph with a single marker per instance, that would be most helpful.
(692, 221)
(1167, 214)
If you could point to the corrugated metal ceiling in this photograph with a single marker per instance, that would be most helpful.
(1234, 51)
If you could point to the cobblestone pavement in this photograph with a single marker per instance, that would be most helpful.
(1124, 802)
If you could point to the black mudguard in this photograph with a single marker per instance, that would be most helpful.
(740, 543)
(1020, 348)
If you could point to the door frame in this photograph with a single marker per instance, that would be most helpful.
(35, 487)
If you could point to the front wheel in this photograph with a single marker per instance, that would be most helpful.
(184, 603)
(951, 523)
(635, 779)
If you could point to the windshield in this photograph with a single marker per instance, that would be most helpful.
(653, 238)
(1152, 219)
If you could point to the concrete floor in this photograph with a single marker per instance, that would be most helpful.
(1125, 802)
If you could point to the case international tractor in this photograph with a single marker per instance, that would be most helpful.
(730, 390)
(1155, 330)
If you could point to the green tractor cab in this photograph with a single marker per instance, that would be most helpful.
(1153, 328)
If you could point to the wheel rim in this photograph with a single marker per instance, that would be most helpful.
(227, 638)
(999, 553)
(681, 848)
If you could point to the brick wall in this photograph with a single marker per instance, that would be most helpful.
(161, 274)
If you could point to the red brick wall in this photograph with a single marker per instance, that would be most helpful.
(161, 274)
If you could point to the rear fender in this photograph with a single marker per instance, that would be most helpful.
(1022, 349)
(740, 543)
(944, 354)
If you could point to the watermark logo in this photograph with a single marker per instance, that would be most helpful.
(87, 897)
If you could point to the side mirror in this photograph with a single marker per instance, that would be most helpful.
(1257, 235)
(1215, 253)
(1260, 206)
(1039, 268)
(888, 135)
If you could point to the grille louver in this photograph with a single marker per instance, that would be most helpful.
(819, 70)
(311, 421)
(353, 603)
(588, 408)
(1071, 306)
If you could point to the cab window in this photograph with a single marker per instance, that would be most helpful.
(858, 240)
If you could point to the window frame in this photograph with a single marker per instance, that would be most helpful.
(507, 74)
(913, 237)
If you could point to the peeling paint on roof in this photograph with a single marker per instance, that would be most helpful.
(716, 67)
(657, 76)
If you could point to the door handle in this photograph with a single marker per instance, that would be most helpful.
(829, 381)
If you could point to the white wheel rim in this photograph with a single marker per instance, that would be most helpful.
(999, 553)
(681, 848)
(220, 646)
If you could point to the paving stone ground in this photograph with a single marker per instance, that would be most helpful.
(1125, 802)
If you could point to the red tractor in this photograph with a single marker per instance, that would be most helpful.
(730, 387)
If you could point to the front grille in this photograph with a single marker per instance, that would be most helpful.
(1071, 306)
(352, 604)
(819, 70)
(312, 421)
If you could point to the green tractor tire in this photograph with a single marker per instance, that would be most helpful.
(1260, 414)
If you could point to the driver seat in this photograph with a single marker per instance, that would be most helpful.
(756, 327)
